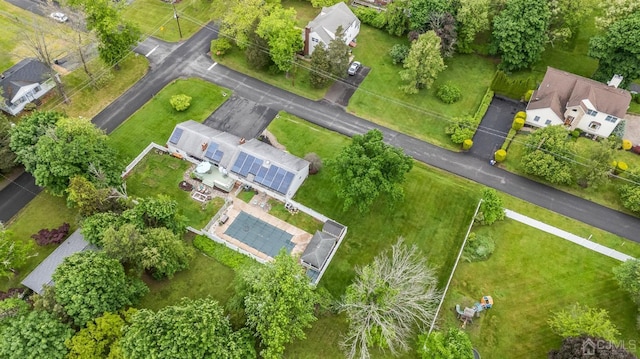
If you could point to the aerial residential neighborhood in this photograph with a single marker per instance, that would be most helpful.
(320, 179)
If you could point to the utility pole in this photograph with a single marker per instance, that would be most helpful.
(175, 15)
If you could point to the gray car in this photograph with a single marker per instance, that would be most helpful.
(354, 68)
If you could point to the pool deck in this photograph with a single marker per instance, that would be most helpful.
(300, 238)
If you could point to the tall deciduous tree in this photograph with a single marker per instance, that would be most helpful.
(472, 18)
(238, 22)
(25, 136)
(37, 334)
(280, 30)
(85, 196)
(7, 156)
(614, 10)
(597, 167)
(156, 212)
(581, 319)
(549, 154)
(396, 16)
(452, 344)
(423, 64)
(278, 302)
(618, 51)
(520, 32)
(566, 18)
(75, 147)
(444, 25)
(388, 300)
(491, 209)
(13, 253)
(422, 10)
(100, 337)
(190, 329)
(368, 167)
(95, 226)
(257, 52)
(574, 348)
(89, 283)
(628, 276)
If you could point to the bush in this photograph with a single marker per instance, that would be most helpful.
(621, 167)
(527, 95)
(484, 106)
(49, 236)
(315, 162)
(478, 248)
(398, 53)
(500, 155)
(518, 123)
(220, 46)
(449, 93)
(508, 139)
(222, 254)
(461, 129)
(371, 16)
(467, 144)
(576, 133)
(180, 102)
(626, 145)
(521, 114)
(636, 97)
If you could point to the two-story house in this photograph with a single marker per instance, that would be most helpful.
(323, 28)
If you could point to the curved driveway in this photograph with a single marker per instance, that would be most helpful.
(190, 60)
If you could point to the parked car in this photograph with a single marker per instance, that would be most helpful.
(59, 17)
(354, 68)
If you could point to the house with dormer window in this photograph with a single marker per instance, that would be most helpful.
(577, 102)
(322, 29)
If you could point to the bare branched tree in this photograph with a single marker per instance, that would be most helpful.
(389, 299)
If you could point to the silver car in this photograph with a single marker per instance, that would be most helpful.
(353, 68)
(59, 17)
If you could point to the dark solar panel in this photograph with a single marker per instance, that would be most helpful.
(270, 175)
(244, 170)
(217, 156)
(175, 136)
(286, 182)
(257, 164)
(239, 161)
(261, 173)
(278, 179)
(213, 147)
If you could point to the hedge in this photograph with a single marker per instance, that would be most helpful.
(222, 254)
(484, 106)
(515, 89)
(508, 139)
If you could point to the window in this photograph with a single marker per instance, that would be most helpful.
(536, 119)
(611, 119)
(547, 122)
(314, 39)
(594, 125)
(592, 112)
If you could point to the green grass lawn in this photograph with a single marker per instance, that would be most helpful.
(155, 121)
(529, 275)
(161, 174)
(86, 100)
(299, 219)
(421, 115)
(44, 211)
(155, 18)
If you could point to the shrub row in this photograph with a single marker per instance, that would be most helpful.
(515, 89)
(508, 139)
(371, 16)
(484, 105)
(222, 254)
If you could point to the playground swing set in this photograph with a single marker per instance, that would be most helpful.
(467, 315)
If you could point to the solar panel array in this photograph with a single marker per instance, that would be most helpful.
(273, 177)
(213, 153)
(175, 136)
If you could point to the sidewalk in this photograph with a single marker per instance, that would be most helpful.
(568, 236)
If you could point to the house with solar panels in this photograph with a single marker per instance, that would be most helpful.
(252, 162)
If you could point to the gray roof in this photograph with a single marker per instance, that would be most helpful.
(333, 228)
(26, 72)
(559, 90)
(330, 18)
(41, 275)
(318, 250)
(195, 135)
(278, 157)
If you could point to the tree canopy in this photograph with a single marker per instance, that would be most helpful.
(13, 252)
(280, 30)
(423, 64)
(549, 154)
(190, 329)
(25, 136)
(472, 18)
(618, 50)
(520, 33)
(628, 276)
(278, 302)
(388, 300)
(37, 334)
(581, 319)
(491, 209)
(368, 167)
(239, 21)
(89, 283)
(452, 344)
(100, 338)
(7, 156)
(422, 10)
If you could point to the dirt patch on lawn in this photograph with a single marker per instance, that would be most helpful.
(632, 129)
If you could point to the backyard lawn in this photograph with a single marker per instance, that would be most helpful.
(155, 121)
(44, 211)
(530, 275)
(160, 174)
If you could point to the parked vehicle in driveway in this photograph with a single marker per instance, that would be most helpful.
(59, 17)
(354, 68)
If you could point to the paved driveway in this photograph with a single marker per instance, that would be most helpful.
(241, 117)
(494, 127)
(341, 91)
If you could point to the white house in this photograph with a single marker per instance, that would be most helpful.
(578, 103)
(25, 82)
(323, 28)
(251, 162)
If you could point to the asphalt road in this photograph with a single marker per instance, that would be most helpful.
(190, 60)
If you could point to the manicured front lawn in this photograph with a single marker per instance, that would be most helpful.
(44, 211)
(530, 275)
(155, 121)
(421, 115)
(160, 175)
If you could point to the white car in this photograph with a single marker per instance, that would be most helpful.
(353, 68)
(59, 17)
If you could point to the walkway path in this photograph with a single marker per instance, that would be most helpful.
(568, 236)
